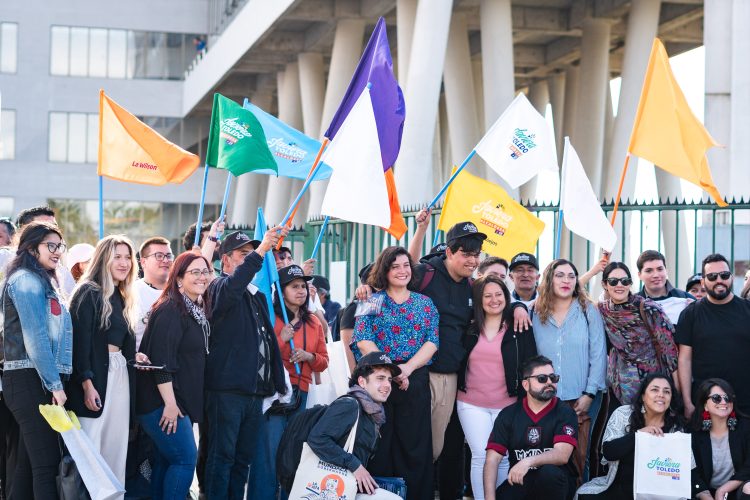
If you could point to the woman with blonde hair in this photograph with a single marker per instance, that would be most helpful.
(103, 308)
(569, 330)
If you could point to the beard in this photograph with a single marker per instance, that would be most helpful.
(719, 295)
(545, 394)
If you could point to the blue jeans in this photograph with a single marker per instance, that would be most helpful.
(174, 456)
(262, 483)
(596, 406)
(235, 422)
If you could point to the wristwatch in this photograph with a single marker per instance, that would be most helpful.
(592, 396)
(213, 238)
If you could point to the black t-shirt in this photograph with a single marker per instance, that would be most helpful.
(118, 328)
(720, 337)
(519, 432)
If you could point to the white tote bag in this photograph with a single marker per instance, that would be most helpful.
(316, 479)
(662, 466)
(320, 393)
(334, 380)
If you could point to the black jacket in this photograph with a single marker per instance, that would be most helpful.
(238, 317)
(739, 448)
(90, 352)
(329, 435)
(453, 302)
(516, 347)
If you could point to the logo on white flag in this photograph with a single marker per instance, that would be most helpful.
(521, 143)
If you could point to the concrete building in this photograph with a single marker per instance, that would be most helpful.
(459, 63)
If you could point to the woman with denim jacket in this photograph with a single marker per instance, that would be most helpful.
(102, 387)
(38, 342)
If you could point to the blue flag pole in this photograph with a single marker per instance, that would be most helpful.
(559, 234)
(436, 238)
(452, 178)
(101, 207)
(226, 195)
(277, 284)
(200, 209)
(320, 237)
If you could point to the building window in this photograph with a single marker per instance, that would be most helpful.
(116, 53)
(8, 47)
(73, 137)
(7, 134)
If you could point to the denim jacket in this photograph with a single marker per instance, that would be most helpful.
(38, 332)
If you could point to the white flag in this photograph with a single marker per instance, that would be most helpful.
(582, 212)
(519, 144)
(357, 191)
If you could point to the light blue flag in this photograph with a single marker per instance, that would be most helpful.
(294, 151)
(268, 275)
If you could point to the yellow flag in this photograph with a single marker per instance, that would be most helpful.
(509, 227)
(130, 151)
(665, 130)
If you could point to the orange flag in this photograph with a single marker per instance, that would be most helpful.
(665, 130)
(398, 225)
(131, 151)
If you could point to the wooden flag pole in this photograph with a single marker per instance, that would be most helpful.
(619, 189)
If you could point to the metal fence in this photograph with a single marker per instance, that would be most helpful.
(683, 232)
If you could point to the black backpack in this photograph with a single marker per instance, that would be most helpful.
(289, 453)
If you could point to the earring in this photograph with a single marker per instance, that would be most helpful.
(706, 423)
(643, 409)
(732, 421)
(179, 284)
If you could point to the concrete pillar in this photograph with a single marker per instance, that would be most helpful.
(414, 173)
(406, 13)
(312, 90)
(458, 82)
(718, 114)
(476, 67)
(679, 266)
(279, 195)
(643, 22)
(539, 98)
(569, 122)
(740, 116)
(588, 137)
(556, 87)
(496, 25)
(250, 190)
(609, 177)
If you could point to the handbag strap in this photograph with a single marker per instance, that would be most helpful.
(349, 445)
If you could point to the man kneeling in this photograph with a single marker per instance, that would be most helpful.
(538, 434)
(370, 384)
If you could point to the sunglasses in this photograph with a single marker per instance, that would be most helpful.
(717, 398)
(616, 281)
(542, 379)
(724, 275)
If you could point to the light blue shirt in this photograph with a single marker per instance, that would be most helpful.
(577, 349)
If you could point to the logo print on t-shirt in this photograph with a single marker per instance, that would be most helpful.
(568, 430)
(534, 436)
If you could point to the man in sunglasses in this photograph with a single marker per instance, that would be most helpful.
(713, 336)
(538, 434)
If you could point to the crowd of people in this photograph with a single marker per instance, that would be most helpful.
(485, 375)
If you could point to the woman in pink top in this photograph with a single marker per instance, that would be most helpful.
(490, 377)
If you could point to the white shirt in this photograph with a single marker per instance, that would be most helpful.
(145, 297)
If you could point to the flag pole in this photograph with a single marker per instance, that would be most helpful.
(200, 209)
(101, 207)
(452, 178)
(226, 195)
(320, 237)
(619, 189)
(559, 234)
(277, 284)
(436, 238)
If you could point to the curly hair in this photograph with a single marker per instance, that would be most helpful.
(546, 298)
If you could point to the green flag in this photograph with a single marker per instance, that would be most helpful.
(236, 141)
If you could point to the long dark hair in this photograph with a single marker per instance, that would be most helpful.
(701, 396)
(477, 291)
(673, 415)
(30, 238)
(378, 278)
(172, 292)
(304, 312)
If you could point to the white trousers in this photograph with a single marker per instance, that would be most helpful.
(477, 425)
(109, 432)
(380, 494)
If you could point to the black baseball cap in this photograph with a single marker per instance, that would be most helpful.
(436, 251)
(378, 358)
(462, 229)
(696, 278)
(321, 282)
(523, 258)
(235, 240)
(364, 273)
(290, 273)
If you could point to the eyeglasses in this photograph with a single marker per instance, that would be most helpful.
(542, 379)
(197, 273)
(724, 275)
(717, 398)
(615, 281)
(160, 256)
(55, 247)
